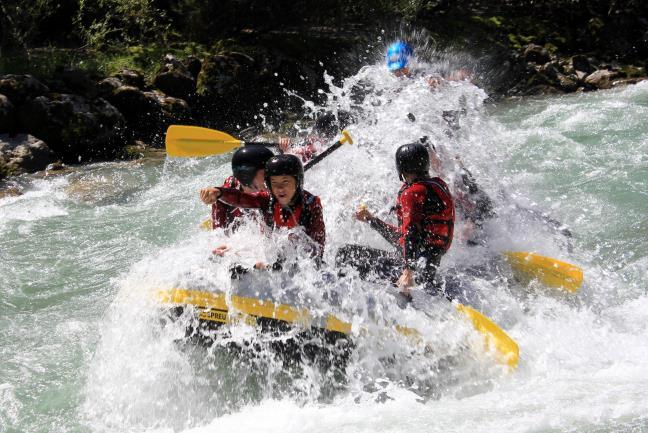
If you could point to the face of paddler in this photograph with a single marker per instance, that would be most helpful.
(283, 188)
(258, 183)
(402, 72)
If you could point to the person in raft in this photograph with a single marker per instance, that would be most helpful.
(248, 175)
(327, 126)
(285, 205)
(399, 57)
(426, 215)
(474, 206)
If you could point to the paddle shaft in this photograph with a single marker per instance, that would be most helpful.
(323, 155)
(260, 143)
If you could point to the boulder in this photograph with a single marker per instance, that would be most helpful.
(627, 81)
(56, 166)
(601, 79)
(224, 74)
(536, 54)
(542, 89)
(631, 71)
(23, 153)
(130, 77)
(550, 70)
(11, 191)
(74, 127)
(19, 88)
(193, 65)
(567, 83)
(78, 81)
(174, 79)
(7, 115)
(174, 109)
(134, 104)
(581, 63)
(148, 114)
(108, 86)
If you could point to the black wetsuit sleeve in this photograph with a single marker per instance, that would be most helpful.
(483, 208)
(387, 231)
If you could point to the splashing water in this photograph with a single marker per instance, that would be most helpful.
(83, 347)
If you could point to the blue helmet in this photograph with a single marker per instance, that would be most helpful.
(398, 55)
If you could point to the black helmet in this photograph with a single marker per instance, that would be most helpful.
(412, 158)
(247, 160)
(285, 165)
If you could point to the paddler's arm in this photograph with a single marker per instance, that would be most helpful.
(387, 231)
(238, 198)
(306, 151)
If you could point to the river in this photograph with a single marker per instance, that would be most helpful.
(81, 348)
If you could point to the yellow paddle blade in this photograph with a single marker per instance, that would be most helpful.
(216, 308)
(206, 224)
(194, 141)
(346, 137)
(550, 272)
(506, 350)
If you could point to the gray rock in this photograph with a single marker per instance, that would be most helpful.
(23, 153)
(543, 89)
(78, 81)
(582, 63)
(149, 113)
(7, 115)
(536, 54)
(134, 104)
(567, 83)
(108, 86)
(193, 65)
(131, 77)
(627, 81)
(174, 108)
(174, 79)
(601, 79)
(19, 88)
(222, 74)
(11, 191)
(55, 166)
(550, 70)
(74, 127)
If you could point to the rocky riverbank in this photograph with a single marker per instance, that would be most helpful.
(76, 116)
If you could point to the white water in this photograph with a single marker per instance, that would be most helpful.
(84, 350)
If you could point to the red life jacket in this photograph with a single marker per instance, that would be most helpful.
(306, 213)
(299, 215)
(435, 227)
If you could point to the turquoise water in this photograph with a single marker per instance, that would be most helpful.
(75, 250)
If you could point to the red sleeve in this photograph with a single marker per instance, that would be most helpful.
(412, 201)
(235, 197)
(219, 215)
(316, 229)
(219, 209)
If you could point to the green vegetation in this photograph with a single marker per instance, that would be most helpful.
(47, 62)
(106, 35)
